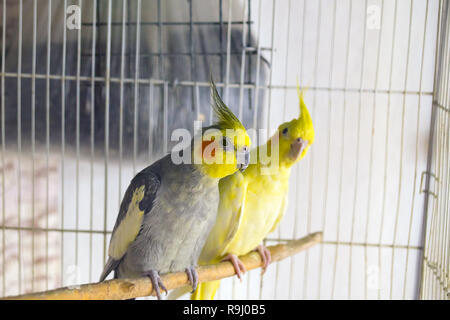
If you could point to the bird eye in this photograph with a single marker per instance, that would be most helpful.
(285, 131)
(226, 144)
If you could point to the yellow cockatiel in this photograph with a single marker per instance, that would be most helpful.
(253, 202)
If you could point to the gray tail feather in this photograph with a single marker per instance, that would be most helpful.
(111, 264)
(178, 292)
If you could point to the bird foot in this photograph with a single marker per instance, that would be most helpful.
(265, 255)
(193, 277)
(157, 283)
(239, 267)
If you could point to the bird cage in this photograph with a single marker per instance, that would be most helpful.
(91, 91)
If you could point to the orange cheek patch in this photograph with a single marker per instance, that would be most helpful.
(208, 150)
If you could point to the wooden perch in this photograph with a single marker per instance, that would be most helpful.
(141, 287)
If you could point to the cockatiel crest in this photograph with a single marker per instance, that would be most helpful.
(304, 119)
(225, 119)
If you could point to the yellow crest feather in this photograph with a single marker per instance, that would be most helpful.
(301, 94)
(225, 118)
(304, 116)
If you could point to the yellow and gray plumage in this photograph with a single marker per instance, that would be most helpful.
(252, 203)
(169, 209)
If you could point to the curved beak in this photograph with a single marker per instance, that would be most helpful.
(297, 148)
(243, 159)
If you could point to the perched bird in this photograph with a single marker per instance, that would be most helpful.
(253, 203)
(169, 209)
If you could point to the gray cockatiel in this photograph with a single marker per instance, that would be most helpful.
(169, 209)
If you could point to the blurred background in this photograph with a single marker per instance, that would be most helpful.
(91, 91)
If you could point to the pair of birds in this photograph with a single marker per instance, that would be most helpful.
(175, 216)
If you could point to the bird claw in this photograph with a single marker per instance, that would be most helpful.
(193, 277)
(265, 255)
(239, 267)
(157, 283)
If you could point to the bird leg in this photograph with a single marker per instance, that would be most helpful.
(156, 282)
(239, 267)
(265, 255)
(193, 277)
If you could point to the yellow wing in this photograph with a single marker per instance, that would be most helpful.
(229, 216)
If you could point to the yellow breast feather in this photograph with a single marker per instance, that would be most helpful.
(280, 214)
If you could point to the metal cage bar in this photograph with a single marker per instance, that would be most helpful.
(435, 266)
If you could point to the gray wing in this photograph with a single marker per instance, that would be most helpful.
(138, 201)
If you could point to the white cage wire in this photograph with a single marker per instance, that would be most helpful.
(436, 258)
(83, 109)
